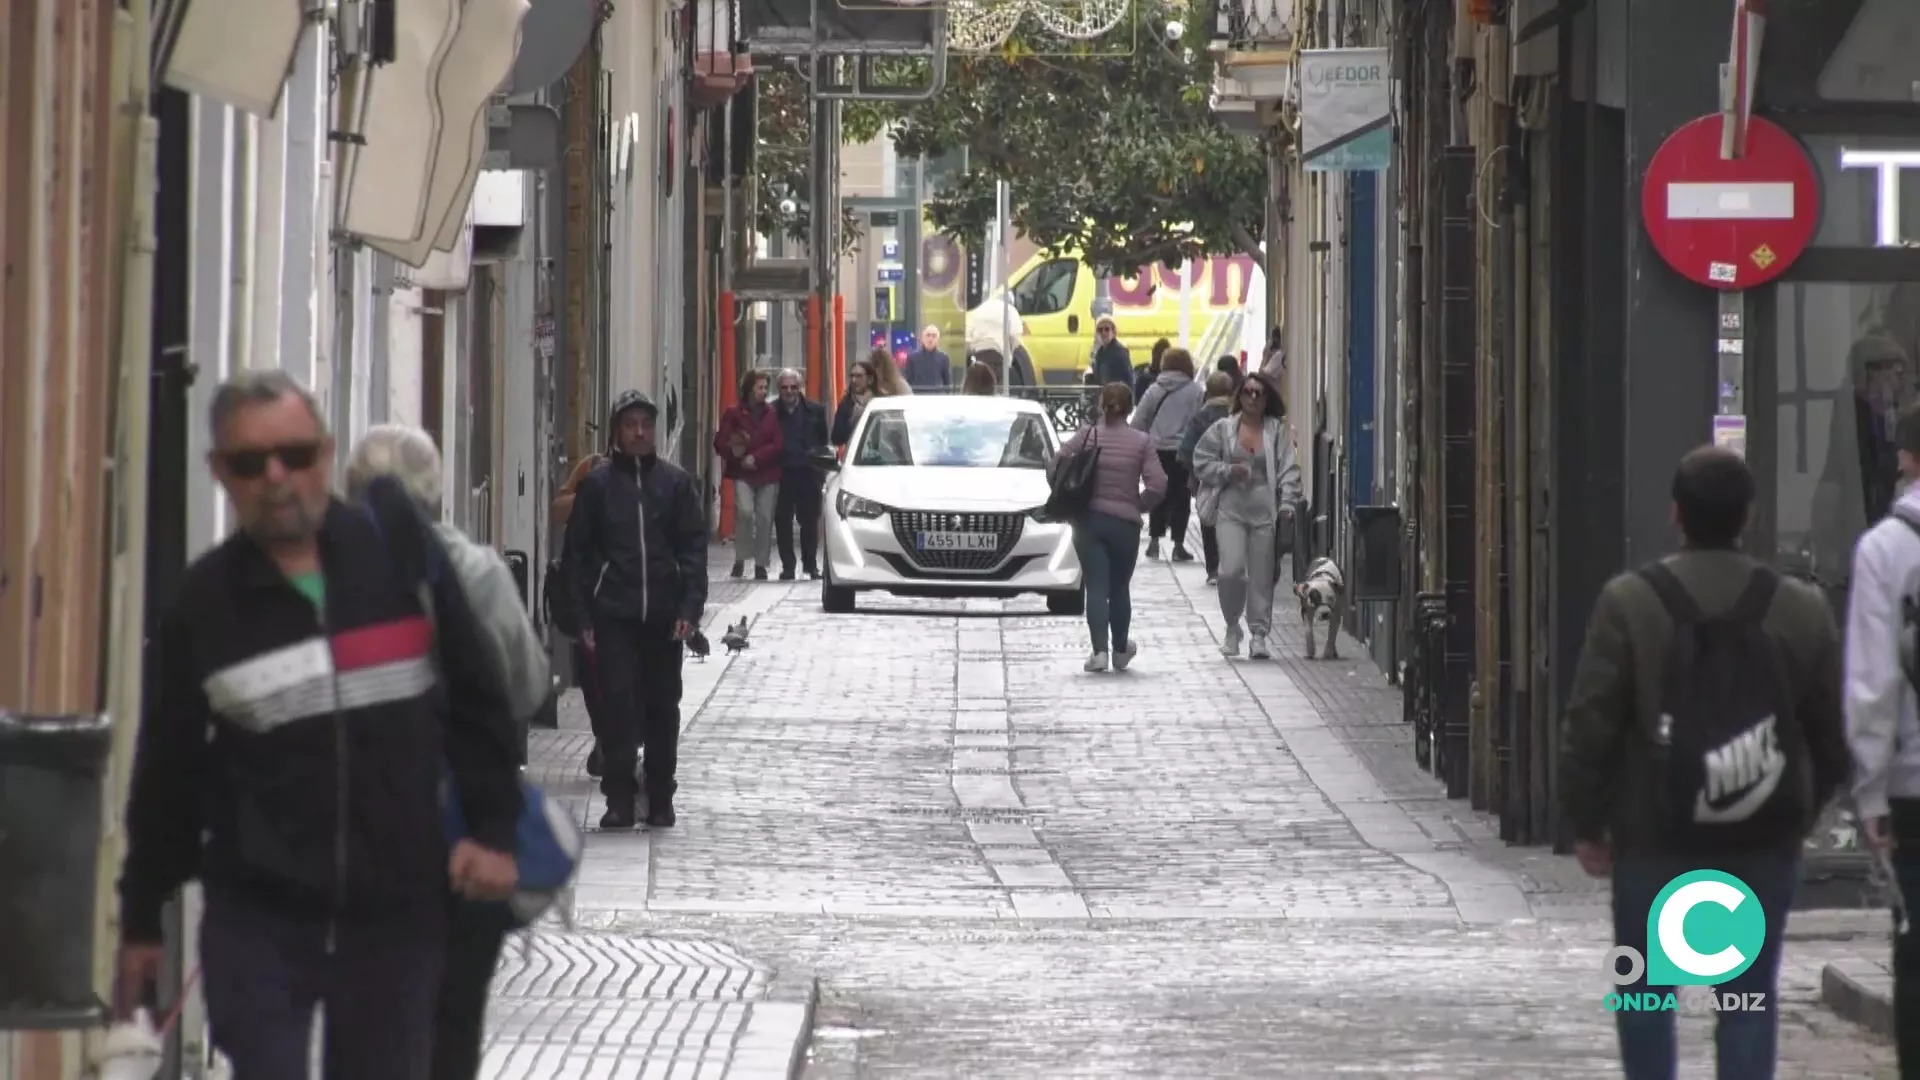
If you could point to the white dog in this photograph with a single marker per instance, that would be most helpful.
(1323, 599)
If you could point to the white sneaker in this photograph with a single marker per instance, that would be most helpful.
(1122, 659)
(1096, 662)
(1258, 648)
(1231, 647)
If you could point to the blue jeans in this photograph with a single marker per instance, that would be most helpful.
(1108, 547)
(1745, 1044)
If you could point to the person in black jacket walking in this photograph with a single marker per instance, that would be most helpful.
(291, 755)
(636, 557)
(803, 430)
(1112, 361)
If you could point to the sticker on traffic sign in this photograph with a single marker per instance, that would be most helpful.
(1730, 223)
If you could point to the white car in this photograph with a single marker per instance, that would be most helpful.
(940, 496)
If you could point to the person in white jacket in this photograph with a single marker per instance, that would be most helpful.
(475, 932)
(1883, 723)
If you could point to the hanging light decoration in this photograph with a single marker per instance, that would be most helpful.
(986, 25)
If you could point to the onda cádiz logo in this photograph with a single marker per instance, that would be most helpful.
(1704, 929)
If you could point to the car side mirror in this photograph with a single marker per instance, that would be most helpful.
(824, 459)
(1073, 324)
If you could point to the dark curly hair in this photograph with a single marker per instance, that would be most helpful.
(1271, 403)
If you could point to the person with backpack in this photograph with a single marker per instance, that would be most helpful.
(475, 931)
(1703, 731)
(1883, 726)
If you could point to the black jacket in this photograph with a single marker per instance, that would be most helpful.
(927, 369)
(1112, 363)
(843, 420)
(803, 430)
(297, 758)
(636, 545)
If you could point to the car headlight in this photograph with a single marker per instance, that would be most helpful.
(1039, 515)
(853, 506)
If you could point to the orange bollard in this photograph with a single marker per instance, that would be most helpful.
(816, 363)
(839, 369)
(729, 394)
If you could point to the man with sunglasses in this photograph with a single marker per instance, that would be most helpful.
(636, 552)
(291, 755)
(1112, 361)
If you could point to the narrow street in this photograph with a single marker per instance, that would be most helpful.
(992, 864)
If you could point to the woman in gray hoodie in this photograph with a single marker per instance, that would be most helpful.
(1163, 414)
(1249, 481)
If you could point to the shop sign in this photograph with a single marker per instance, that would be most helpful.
(1346, 110)
(1887, 166)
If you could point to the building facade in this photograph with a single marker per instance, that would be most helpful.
(1484, 343)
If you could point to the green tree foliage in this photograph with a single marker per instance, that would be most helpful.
(1109, 145)
(782, 165)
(1109, 148)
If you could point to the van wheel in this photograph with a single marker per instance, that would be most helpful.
(1067, 603)
(835, 599)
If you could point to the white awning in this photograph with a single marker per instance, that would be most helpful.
(407, 188)
(239, 52)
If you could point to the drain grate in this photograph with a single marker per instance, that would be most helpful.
(955, 813)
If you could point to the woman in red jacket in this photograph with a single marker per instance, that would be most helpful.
(748, 442)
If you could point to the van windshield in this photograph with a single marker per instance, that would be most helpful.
(1009, 440)
(1047, 288)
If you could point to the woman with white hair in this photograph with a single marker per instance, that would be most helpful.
(474, 931)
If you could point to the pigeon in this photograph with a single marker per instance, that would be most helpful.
(735, 639)
(699, 646)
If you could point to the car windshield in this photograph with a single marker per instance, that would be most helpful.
(1008, 440)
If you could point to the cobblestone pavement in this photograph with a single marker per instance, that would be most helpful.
(999, 866)
(571, 1005)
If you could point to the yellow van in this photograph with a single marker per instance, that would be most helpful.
(1058, 297)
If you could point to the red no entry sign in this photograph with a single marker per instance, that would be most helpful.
(1731, 224)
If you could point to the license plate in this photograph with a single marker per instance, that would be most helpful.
(957, 541)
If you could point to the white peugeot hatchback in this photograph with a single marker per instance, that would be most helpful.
(940, 496)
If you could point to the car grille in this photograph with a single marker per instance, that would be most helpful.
(1004, 527)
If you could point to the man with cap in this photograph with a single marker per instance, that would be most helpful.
(636, 548)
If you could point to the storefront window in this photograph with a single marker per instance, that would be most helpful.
(1844, 365)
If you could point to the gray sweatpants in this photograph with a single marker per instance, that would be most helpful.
(753, 522)
(1246, 574)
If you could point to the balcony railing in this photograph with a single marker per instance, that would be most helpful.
(1253, 25)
